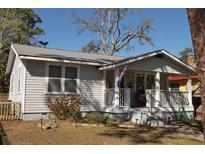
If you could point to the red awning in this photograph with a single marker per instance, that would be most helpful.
(175, 78)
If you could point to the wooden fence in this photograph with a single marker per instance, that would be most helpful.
(10, 110)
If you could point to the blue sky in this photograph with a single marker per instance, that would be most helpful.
(171, 25)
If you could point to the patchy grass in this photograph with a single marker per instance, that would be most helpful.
(26, 132)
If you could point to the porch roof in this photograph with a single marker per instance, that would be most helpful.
(145, 56)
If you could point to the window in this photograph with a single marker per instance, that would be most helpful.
(174, 86)
(62, 79)
(19, 80)
(54, 82)
(70, 79)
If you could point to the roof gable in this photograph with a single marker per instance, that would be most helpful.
(158, 53)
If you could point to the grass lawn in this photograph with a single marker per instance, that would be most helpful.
(27, 132)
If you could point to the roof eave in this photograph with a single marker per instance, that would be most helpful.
(58, 60)
(189, 67)
(12, 55)
(110, 66)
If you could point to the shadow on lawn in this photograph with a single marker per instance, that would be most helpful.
(3, 139)
(142, 135)
(153, 135)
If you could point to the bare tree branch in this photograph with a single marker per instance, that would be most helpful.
(112, 29)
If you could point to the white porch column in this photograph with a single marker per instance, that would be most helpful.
(157, 87)
(189, 89)
(116, 100)
(104, 86)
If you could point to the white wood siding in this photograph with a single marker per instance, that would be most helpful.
(157, 64)
(16, 96)
(35, 88)
(91, 88)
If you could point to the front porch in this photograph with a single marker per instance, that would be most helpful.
(141, 91)
(144, 89)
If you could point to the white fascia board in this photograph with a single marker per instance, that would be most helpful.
(147, 56)
(61, 61)
(179, 61)
(14, 50)
(11, 59)
(127, 62)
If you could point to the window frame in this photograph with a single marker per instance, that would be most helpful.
(174, 89)
(70, 79)
(63, 66)
(58, 78)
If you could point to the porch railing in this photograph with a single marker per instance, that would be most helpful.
(168, 98)
(123, 96)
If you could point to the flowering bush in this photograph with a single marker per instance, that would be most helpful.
(65, 107)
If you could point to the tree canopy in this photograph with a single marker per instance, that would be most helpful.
(17, 26)
(185, 54)
(113, 30)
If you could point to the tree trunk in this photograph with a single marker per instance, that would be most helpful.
(197, 24)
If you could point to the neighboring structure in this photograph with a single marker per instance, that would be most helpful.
(38, 75)
(179, 82)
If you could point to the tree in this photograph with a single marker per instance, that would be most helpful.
(112, 30)
(185, 54)
(197, 24)
(17, 26)
(91, 47)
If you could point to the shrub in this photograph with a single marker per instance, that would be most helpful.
(110, 122)
(65, 107)
(94, 118)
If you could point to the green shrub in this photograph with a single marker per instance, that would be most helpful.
(110, 122)
(94, 118)
(65, 107)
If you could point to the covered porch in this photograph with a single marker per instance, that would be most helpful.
(145, 84)
(140, 89)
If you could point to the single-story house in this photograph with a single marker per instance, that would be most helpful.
(38, 75)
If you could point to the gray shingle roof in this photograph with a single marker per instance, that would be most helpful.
(25, 50)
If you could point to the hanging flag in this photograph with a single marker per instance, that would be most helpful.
(119, 78)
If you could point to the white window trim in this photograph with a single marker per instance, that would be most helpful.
(12, 83)
(19, 80)
(62, 78)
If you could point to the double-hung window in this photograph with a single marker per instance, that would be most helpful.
(62, 79)
(54, 81)
(70, 79)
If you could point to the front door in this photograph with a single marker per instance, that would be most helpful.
(140, 90)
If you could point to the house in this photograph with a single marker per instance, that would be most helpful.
(178, 83)
(38, 75)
